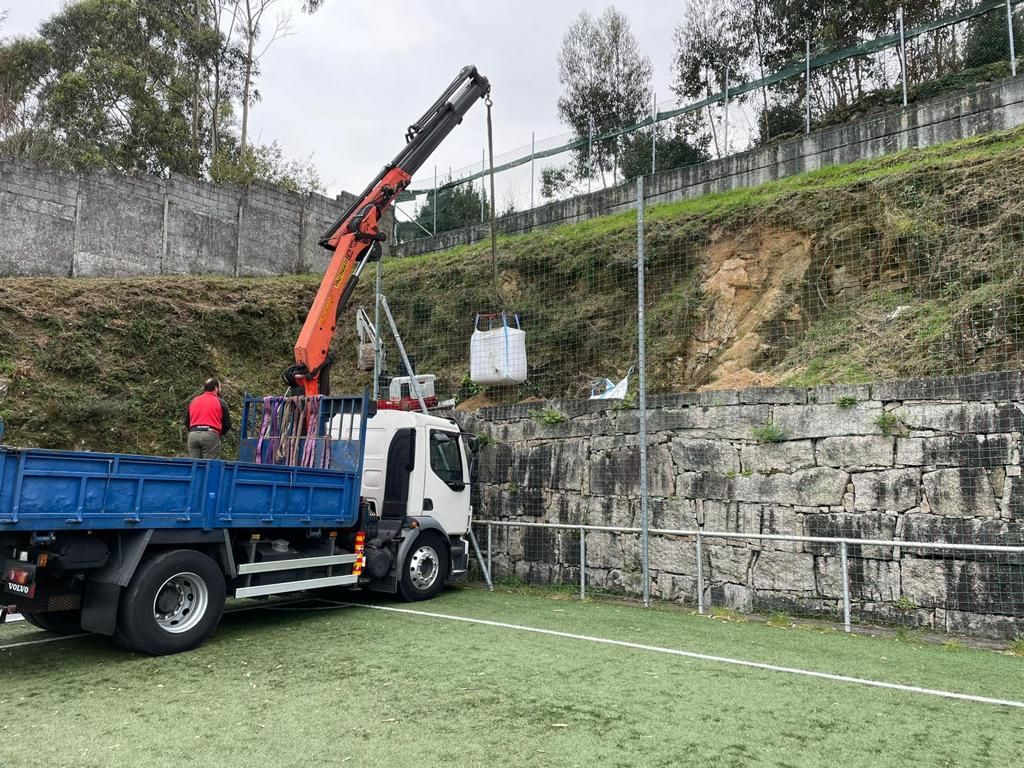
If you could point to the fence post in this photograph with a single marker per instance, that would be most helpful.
(490, 562)
(846, 587)
(725, 140)
(590, 155)
(903, 56)
(435, 201)
(642, 365)
(1009, 25)
(654, 132)
(807, 88)
(583, 563)
(533, 156)
(700, 575)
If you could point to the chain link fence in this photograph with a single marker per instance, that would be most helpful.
(932, 49)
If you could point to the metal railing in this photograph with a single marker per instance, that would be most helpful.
(701, 536)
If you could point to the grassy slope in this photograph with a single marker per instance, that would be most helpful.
(108, 364)
(348, 687)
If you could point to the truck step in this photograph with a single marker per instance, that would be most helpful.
(290, 565)
(295, 586)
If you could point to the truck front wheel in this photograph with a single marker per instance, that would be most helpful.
(425, 569)
(173, 603)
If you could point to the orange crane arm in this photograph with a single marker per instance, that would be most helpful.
(355, 238)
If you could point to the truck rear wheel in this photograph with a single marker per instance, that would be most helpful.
(425, 569)
(173, 603)
(58, 622)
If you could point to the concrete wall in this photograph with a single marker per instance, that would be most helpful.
(55, 223)
(972, 113)
(949, 469)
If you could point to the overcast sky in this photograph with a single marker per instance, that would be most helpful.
(351, 77)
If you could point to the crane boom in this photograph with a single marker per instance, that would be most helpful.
(355, 237)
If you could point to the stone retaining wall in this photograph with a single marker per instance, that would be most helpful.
(929, 460)
(59, 224)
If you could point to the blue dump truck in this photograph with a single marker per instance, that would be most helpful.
(146, 549)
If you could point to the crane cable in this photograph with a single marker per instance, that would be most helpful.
(494, 233)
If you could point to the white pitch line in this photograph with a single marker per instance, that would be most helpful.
(706, 657)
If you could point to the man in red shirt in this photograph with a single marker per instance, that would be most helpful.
(207, 418)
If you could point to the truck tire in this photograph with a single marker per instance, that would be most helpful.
(173, 603)
(425, 569)
(57, 622)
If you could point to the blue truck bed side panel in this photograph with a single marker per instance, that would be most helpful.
(43, 490)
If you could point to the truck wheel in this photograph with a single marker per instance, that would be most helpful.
(173, 603)
(425, 569)
(58, 622)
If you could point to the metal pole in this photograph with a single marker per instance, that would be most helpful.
(903, 56)
(700, 575)
(483, 182)
(434, 207)
(479, 559)
(590, 155)
(846, 587)
(414, 386)
(490, 562)
(379, 348)
(807, 78)
(533, 154)
(641, 333)
(725, 142)
(583, 564)
(1013, 52)
(654, 132)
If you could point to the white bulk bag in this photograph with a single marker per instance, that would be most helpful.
(498, 355)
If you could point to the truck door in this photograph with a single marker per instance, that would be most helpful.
(446, 485)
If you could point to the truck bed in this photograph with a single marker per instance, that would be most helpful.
(46, 490)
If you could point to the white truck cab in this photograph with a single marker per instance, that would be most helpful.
(417, 471)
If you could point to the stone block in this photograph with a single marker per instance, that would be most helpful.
(834, 393)
(958, 450)
(773, 395)
(868, 579)
(618, 472)
(672, 555)
(855, 451)
(963, 418)
(841, 525)
(673, 514)
(726, 564)
(724, 422)
(999, 386)
(786, 456)
(695, 455)
(783, 572)
(810, 421)
(926, 581)
(962, 492)
(893, 489)
(821, 486)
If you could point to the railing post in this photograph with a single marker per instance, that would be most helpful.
(583, 563)
(903, 56)
(1013, 52)
(533, 156)
(846, 587)
(434, 206)
(807, 90)
(700, 575)
(483, 184)
(590, 156)
(490, 562)
(725, 140)
(654, 132)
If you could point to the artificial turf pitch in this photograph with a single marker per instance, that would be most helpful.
(352, 686)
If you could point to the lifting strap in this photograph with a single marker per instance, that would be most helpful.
(494, 232)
